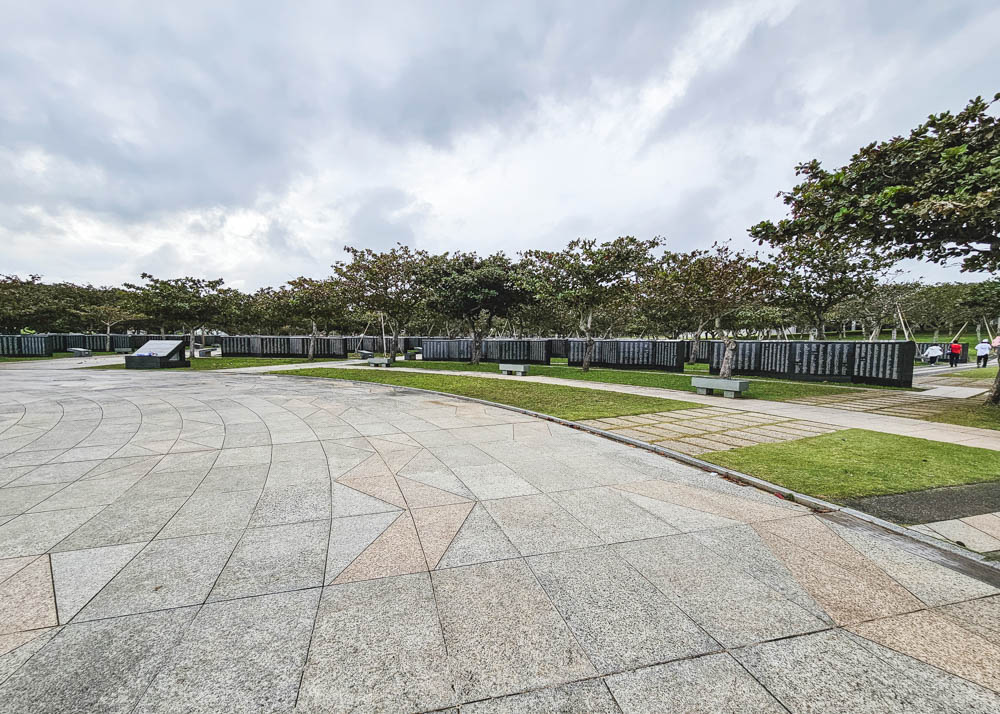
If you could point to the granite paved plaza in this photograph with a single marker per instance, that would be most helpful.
(181, 542)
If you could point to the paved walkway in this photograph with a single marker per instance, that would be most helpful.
(833, 416)
(208, 542)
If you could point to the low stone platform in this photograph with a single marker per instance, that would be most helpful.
(204, 542)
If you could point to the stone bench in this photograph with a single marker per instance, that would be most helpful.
(731, 388)
(365, 354)
(409, 356)
(205, 351)
(520, 370)
(123, 350)
(79, 352)
(379, 362)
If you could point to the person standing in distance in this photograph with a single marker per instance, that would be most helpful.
(983, 353)
(954, 352)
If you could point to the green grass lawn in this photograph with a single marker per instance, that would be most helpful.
(208, 363)
(971, 413)
(565, 402)
(55, 355)
(760, 388)
(977, 373)
(858, 463)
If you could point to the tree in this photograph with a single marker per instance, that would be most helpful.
(115, 308)
(939, 307)
(708, 286)
(392, 284)
(813, 277)
(188, 302)
(585, 277)
(315, 301)
(475, 291)
(934, 194)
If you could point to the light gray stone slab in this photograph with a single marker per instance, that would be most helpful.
(611, 515)
(243, 655)
(590, 696)
(195, 462)
(235, 478)
(100, 666)
(275, 559)
(171, 484)
(351, 502)
(290, 473)
(618, 617)
(537, 524)
(166, 574)
(479, 540)
(493, 481)
(55, 473)
(292, 504)
(82, 494)
(349, 537)
(836, 671)
(18, 648)
(126, 521)
(35, 533)
(730, 604)
(517, 643)
(377, 646)
(212, 512)
(15, 500)
(78, 575)
(705, 685)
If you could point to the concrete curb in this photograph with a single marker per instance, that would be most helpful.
(817, 504)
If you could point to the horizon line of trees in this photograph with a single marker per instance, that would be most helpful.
(933, 194)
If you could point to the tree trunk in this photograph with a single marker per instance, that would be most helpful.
(163, 331)
(588, 349)
(312, 341)
(728, 358)
(994, 396)
(107, 342)
(937, 331)
(895, 330)
(477, 345)
(693, 357)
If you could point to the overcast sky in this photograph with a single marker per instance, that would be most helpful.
(253, 140)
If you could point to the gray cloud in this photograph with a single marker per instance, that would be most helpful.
(255, 140)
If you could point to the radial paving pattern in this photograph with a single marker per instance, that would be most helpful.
(198, 542)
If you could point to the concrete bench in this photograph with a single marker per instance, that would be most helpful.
(365, 354)
(79, 352)
(731, 388)
(123, 350)
(409, 356)
(379, 362)
(520, 370)
(205, 351)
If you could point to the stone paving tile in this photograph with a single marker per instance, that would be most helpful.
(730, 604)
(235, 478)
(610, 515)
(940, 641)
(80, 574)
(36, 533)
(95, 666)
(26, 598)
(166, 574)
(15, 500)
(980, 616)
(517, 644)
(479, 540)
(396, 551)
(212, 512)
(493, 481)
(587, 696)
(275, 559)
(126, 521)
(377, 645)
(18, 648)
(243, 655)
(617, 616)
(292, 504)
(820, 672)
(537, 524)
(964, 534)
(705, 685)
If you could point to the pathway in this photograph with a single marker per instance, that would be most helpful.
(206, 542)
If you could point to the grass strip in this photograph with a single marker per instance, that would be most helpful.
(856, 463)
(572, 403)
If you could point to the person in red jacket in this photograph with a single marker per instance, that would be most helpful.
(954, 352)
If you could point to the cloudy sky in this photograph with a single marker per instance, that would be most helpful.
(253, 140)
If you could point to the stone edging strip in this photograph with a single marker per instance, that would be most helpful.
(817, 504)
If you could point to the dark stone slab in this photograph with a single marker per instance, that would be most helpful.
(936, 504)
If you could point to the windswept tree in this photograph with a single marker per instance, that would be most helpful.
(586, 276)
(113, 307)
(934, 195)
(316, 301)
(189, 302)
(475, 291)
(392, 284)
